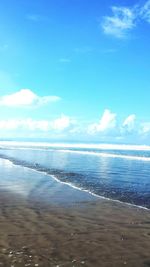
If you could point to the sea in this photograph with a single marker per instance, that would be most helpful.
(113, 172)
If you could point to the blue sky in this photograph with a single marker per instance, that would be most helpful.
(75, 70)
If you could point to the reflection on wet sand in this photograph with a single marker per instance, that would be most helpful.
(42, 224)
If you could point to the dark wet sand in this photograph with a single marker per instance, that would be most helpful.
(97, 233)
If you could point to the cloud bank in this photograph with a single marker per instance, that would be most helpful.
(58, 125)
(108, 128)
(24, 98)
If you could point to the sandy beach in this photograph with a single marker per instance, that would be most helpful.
(91, 233)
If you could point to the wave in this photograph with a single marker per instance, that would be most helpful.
(96, 195)
(100, 150)
(108, 155)
(98, 146)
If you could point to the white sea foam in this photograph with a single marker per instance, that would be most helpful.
(96, 195)
(68, 148)
(107, 155)
(75, 145)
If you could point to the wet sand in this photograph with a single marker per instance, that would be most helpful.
(86, 233)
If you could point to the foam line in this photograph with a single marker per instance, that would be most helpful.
(75, 145)
(96, 195)
(99, 154)
(108, 155)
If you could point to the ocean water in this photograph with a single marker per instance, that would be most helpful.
(114, 172)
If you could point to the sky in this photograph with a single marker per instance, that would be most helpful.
(75, 70)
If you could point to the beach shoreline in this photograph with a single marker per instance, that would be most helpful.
(90, 233)
(47, 223)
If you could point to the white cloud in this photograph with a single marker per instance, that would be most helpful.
(25, 97)
(145, 128)
(35, 125)
(61, 123)
(9, 124)
(129, 123)
(58, 125)
(145, 11)
(124, 19)
(27, 124)
(107, 122)
(108, 128)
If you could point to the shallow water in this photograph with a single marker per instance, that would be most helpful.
(122, 175)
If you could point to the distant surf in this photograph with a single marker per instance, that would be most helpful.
(109, 155)
(76, 145)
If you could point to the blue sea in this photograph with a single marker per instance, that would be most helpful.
(114, 172)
